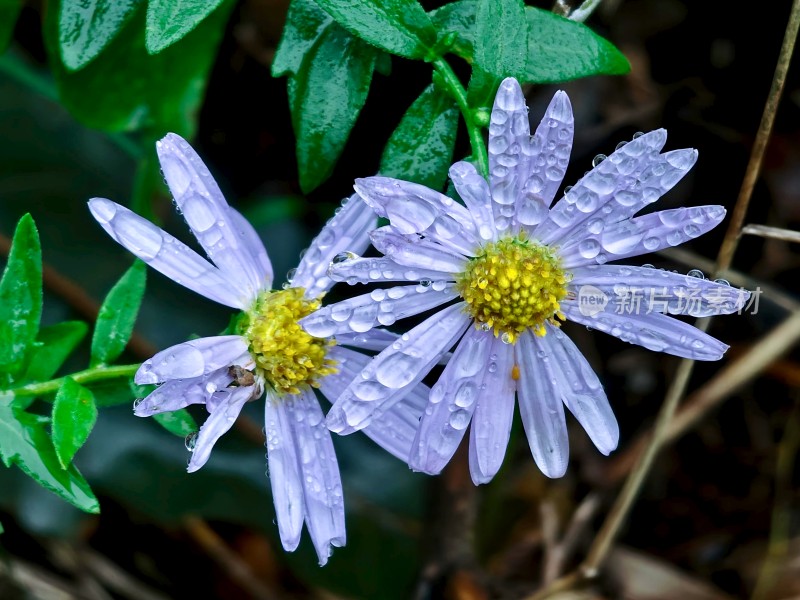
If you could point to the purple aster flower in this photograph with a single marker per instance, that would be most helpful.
(269, 352)
(509, 267)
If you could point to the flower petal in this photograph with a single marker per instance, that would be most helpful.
(178, 393)
(319, 472)
(284, 471)
(379, 307)
(166, 254)
(646, 289)
(348, 229)
(375, 270)
(474, 191)
(192, 359)
(374, 339)
(581, 390)
(653, 331)
(251, 242)
(396, 370)
(412, 251)
(219, 421)
(648, 233)
(451, 403)
(540, 405)
(494, 413)
(204, 207)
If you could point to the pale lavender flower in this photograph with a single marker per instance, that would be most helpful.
(269, 352)
(509, 266)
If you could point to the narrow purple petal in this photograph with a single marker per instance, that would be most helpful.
(204, 207)
(411, 251)
(218, 422)
(474, 191)
(319, 472)
(648, 233)
(178, 393)
(540, 405)
(653, 331)
(396, 370)
(347, 230)
(376, 270)
(494, 413)
(379, 307)
(192, 359)
(252, 243)
(284, 471)
(167, 255)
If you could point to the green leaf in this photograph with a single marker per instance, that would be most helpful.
(398, 26)
(501, 47)
(9, 10)
(305, 22)
(325, 97)
(74, 416)
(421, 148)
(117, 315)
(127, 89)
(20, 299)
(53, 345)
(113, 392)
(459, 18)
(170, 20)
(177, 422)
(85, 27)
(24, 442)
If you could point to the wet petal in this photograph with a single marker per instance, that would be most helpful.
(284, 471)
(167, 255)
(396, 370)
(375, 270)
(474, 191)
(178, 393)
(252, 243)
(653, 331)
(204, 207)
(411, 251)
(648, 233)
(374, 339)
(218, 422)
(379, 307)
(494, 413)
(540, 405)
(319, 472)
(192, 359)
(347, 230)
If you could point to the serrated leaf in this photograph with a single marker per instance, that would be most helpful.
(398, 26)
(325, 98)
(117, 315)
(501, 48)
(421, 148)
(126, 89)
(85, 27)
(170, 20)
(74, 416)
(24, 442)
(20, 299)
(177, 422)
(53, 345)
(305, 22)
(9, 11)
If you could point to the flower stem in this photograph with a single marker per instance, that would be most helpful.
(459, 94)
(99, 373)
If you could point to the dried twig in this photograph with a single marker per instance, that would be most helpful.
(775, 233)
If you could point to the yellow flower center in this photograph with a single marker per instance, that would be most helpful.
(513, 284)
(286, 356)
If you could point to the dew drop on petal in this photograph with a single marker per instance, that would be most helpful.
(598, 159)
(722, 281)
(696, 273)
(191, 441)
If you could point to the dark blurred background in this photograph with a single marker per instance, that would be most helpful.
(719, 499)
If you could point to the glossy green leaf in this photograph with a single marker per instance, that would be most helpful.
(305, 22)
(53, 345)
(20, 299)
(398, 26)
(178, 422)
(458, 18)
(9, 11)
(24, 442)
(501, 47)
(117, 315)
(421, 148)
(74, 416)
(127, 89)
(85, 27)
(170, 20)
(325, 97)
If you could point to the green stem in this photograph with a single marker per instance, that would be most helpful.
(99, 373)
(459, 94)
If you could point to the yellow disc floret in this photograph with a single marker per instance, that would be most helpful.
(513, 284)
(286, 356)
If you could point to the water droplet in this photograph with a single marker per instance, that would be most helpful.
(648, 266)
(567, 189)
(137, 402)
(460, 419)
(696, 273)
(438, 286)
(492, 367)
(506, 338)
(425, 283)
(651, 243)
(290, 275)
(191, 441)
(722, 281)
(638, 134)
(598, 159)
(620, 145)
(484, 327)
